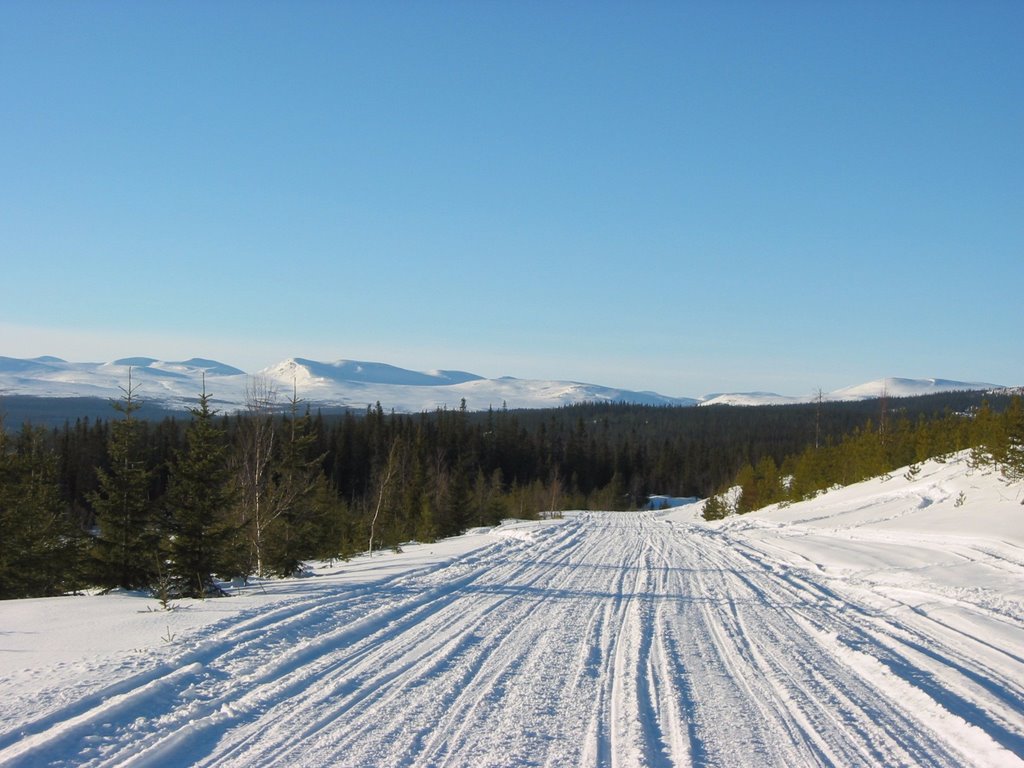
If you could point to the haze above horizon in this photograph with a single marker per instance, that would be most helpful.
(671, 197)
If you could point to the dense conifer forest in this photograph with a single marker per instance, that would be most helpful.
(175, 504)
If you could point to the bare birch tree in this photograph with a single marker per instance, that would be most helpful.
(274, 476)
(256, 445)
(383, 483)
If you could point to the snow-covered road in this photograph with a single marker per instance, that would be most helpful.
(611, 639)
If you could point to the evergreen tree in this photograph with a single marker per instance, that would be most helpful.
(759, 485)
(716, 508)
(293, 527)
(416, 498)
(989, 438)
(1013, 456)
(41, 549)
(199, 499)
(126, 549)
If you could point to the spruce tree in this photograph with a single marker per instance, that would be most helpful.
(716, 508)
(1013, 456)
(198, 502)
(41, 549)
(292, 529)
(126, 549)
(988, 437)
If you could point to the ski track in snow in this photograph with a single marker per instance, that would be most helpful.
(609, 640)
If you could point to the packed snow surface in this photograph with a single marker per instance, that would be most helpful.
(877, 625)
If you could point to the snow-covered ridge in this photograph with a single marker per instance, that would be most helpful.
(897, 387)
(750, 398)
(343, 383)
(358, 384)
(352, 371)
(887, 387)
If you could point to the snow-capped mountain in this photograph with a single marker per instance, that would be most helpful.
(159, 381)
(353, 371)
(357, 384)
(750, 398)
(887, 387)
(344, 383)
(897, 387)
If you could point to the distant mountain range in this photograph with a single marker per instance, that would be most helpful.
(357, 385)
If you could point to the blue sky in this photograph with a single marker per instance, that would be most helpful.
(683, 197)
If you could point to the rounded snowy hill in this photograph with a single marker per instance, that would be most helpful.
(900, 387)
(311, 371)
(359, 384)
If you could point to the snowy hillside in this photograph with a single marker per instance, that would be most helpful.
(357, 384)
(307, 372)
(879, 624)
(345, 383)
(897, 387)
(888, 387)
(348, 382)
(169, 382)
(751, 398)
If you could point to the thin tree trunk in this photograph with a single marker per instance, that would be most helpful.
(385, 481)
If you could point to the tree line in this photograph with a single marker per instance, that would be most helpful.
(178, 505)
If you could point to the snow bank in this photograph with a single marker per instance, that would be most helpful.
(49, 640)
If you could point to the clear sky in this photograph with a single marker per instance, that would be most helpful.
(685, 197)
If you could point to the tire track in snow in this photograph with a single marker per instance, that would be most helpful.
(613, 639)
(966, 675)
(481, 628)
(831, 717)
(261, 642)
